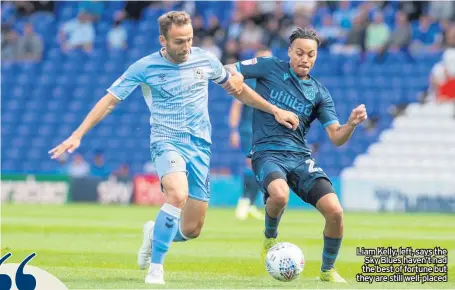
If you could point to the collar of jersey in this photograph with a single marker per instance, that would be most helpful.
(302, 82)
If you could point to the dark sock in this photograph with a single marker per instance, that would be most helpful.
(271, 225)
(330, 252)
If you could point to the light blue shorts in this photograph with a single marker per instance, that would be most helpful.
(194, 159)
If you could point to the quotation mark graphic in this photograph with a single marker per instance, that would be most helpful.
(23, 281)
(5, 280)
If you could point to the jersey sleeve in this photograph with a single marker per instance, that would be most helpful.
(258, 67)
(326, 112)
(219, 74)
(128, 82)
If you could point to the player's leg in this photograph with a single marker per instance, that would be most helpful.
(192, 220)
(312, 185)
(175, 187)
(330, 208)
(193, 214)
(278, 197)
(171, 169)
(272, 180)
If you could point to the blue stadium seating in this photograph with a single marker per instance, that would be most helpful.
(43, 103)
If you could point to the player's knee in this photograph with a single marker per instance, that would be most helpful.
(194, 233)
(177, 199)
(335, 216)
(279, 192)
(281, 199)
(193, 230)
(175, 187)
(331, 209)
(176, 196)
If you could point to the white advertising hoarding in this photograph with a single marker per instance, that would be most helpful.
(398, 195)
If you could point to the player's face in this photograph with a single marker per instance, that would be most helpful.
(302, 54)
(178, 42)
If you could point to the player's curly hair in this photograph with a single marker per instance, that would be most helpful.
(304, 33)
(173, 17)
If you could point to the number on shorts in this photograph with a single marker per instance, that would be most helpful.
(311, 167)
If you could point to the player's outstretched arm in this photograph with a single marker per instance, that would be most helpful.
(251, 98)
(234, 85)
(102, 108)
(340, 134)
(231, 68)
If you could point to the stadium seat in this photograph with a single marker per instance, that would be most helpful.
(59, 92)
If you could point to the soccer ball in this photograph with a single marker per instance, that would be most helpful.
(285, 261)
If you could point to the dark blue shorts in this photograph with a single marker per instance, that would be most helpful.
(299, 170)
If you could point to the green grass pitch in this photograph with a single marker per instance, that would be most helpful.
(93, 246)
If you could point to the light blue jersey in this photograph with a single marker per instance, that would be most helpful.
(177, 97)
(176, 94)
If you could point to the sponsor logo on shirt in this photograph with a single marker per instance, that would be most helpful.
(198, 73)
(250, 61)
(282, 98)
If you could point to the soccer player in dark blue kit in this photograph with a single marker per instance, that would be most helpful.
(241, 126)
(281, 158)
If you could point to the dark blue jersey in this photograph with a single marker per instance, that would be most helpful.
(246, 117)
(278, 84)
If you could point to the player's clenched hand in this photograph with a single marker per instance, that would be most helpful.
(358, 115)
(234, 85)
(235, 139)
(286, 118)
(69, 145)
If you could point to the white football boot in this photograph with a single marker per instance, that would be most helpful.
(144, 255)
(155, 275)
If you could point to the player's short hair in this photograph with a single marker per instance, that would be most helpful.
(304, 33)
(178, 18)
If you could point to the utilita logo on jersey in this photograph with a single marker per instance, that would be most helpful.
(22, 276)
(283, 98)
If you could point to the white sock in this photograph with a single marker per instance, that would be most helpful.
(155, 267)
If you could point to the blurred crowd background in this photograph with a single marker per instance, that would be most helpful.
(344, 27)
(59, 57)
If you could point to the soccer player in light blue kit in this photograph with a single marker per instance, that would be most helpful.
(174, 82)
